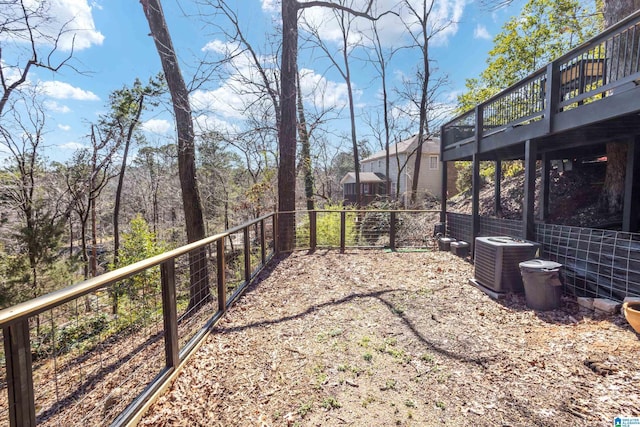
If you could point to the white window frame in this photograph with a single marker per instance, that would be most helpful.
(431, 157)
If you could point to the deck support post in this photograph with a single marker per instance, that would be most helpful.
(497, 179)
(444, 177)
(443, 192)
(543, 203)
(631, 209)
(475, 179)
(17, 350)
(528, 219)
(475, 201)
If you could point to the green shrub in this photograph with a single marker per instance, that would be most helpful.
(328, 227)
(512, 168)
(137, 244)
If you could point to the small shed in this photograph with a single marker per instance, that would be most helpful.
(373, 186)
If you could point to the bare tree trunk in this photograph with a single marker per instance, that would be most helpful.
(200, 293)
(123, 167)
(612, 196)
(70, 237)
(424, 87)
(83, 243)
(352, 116)
(92, 207)
(287, 131)
(385, 98)
(305, 149)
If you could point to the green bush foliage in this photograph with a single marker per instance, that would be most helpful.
(487, 172)
(328, 227)
(137, 244)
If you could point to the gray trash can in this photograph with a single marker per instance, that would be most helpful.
(542, 286)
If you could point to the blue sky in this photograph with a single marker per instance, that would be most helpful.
(112, 48)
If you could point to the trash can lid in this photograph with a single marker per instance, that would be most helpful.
(540, 264)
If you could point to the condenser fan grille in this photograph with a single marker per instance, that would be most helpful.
(496, 262)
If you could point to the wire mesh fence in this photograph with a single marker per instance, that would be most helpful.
(360, 228)
(91, 352)
(92, 356)
(459, 226)
(196, 291)
(596, 263)
(500, 227)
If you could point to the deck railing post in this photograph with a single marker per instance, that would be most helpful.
(479, 126)
(392, 230)
(275, 232)
(222, 286)
(312, 230)
(263, 242)
(343, 229)
(247, 255)
(17, 349)
(170, 313)
(444, 178)
(551, 94)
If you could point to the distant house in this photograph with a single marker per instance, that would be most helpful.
(373, 186)
(401, 158)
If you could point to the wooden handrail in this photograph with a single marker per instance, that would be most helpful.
(56, 298)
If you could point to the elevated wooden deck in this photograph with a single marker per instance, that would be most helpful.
(569, 109)
(586, 98)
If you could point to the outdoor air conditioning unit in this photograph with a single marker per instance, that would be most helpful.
(496, 262)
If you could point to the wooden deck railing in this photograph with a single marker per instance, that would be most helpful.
(605, 66)
(98, 352)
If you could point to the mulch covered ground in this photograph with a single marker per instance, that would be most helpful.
(374, 338)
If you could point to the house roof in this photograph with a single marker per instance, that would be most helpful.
(365, 177)
(431, 145)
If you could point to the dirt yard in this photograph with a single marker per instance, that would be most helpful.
(374, 338)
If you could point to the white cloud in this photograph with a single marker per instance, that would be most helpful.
(157, 126)
(204, 123)
(53, 106)
(224, 101)
(65, 128)
(62, 90)
(481, 32)
(67, 23)
(219, 46)
(11, 74)
(323, 93)
(443, 21)
(235, 96)
(270, 5)
(71, 145)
